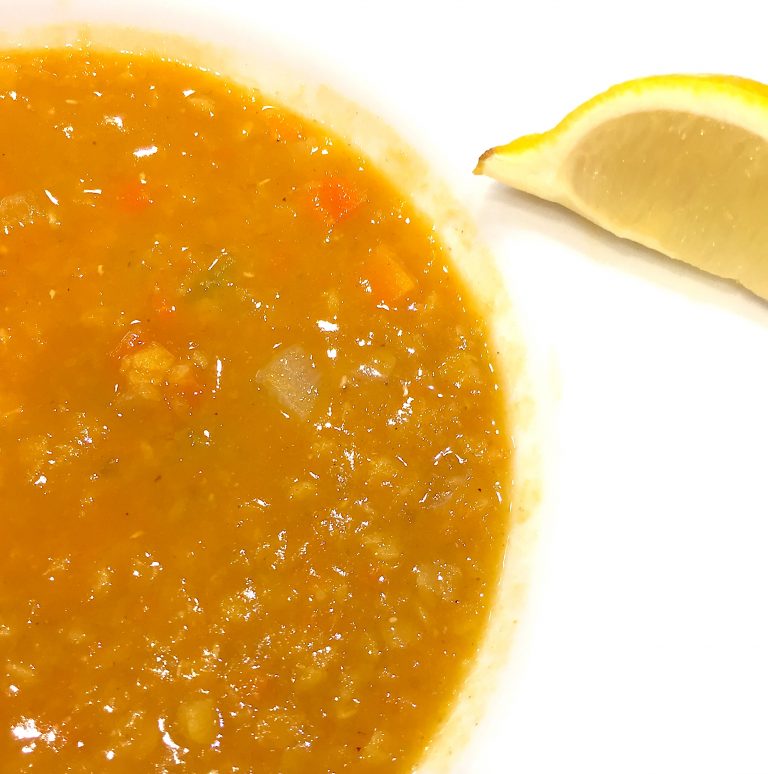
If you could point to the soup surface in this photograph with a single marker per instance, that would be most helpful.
(253, 459)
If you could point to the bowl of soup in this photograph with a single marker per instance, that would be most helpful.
(269, 422)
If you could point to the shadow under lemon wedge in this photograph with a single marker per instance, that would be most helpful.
(678, 163)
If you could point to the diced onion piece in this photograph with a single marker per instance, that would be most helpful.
(383, 548)
(145, 370)
(437, 578)
(292, 379)
(199, 721)
(299, 490)
(18, 210)
(378, 366)
(203, 104)
(374, 750)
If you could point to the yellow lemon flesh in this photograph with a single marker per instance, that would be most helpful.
(678, 163)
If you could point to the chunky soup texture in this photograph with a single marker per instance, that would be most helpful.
(253, 460)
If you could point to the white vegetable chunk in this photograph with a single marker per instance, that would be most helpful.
(292, 379)
(18, 210)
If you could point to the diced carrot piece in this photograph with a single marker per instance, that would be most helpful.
(387, 278)
(336, 198)
(133, 197)
(162, 307)
(132, 340)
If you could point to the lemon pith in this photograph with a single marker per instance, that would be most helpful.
(678, 163)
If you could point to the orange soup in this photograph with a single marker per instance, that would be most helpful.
(253, 454)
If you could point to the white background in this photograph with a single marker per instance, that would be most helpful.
(646, 646)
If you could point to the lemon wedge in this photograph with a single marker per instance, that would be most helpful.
(678, 163)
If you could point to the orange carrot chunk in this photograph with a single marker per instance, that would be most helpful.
(336, 198)
(162, 305)
(133, 197)
(130, 341)
(388, 280)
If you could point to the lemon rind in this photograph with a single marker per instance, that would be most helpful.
(532, 163)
